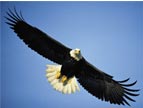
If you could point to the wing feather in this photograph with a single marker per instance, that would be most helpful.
(104, 87)
(36, 39)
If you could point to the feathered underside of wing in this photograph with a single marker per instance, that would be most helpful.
(104, 87)
(36, 39)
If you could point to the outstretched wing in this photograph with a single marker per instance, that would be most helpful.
(36, 39)
(104, 87)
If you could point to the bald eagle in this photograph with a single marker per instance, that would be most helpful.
(71, 65)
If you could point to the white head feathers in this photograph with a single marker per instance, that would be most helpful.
(76, 54)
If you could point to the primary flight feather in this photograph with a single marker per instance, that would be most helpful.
(71, 67)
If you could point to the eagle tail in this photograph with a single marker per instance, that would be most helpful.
(60, 82)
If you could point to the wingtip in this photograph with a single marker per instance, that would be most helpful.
(128, 85)
(123, 81)
(124, 100)
(131, 90)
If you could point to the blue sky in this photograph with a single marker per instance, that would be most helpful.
(109, 35)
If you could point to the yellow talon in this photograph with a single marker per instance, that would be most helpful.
(64, 78)
(58, 74)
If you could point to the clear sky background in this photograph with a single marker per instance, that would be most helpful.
(109, 34)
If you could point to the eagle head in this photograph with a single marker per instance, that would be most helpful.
(76, 54)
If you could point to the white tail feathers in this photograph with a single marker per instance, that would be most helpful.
(53, 72)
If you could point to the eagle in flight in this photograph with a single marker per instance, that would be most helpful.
(71, 65)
